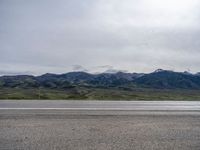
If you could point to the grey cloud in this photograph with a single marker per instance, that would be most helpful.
(105, 67)
(136, 35)
(3, 72)
(79, 68)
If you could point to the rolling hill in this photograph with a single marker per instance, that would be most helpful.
(158, 85)
(160, 79)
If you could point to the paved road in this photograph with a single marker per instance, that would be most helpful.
(92, 125)
(101, 105)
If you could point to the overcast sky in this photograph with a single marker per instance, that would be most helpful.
(39, 36)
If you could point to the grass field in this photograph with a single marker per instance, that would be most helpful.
(82, 93)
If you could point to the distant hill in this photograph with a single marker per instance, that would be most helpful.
(160, 79)
(169, 80)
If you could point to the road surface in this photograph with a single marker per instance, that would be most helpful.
(99, 125)
(100, 105)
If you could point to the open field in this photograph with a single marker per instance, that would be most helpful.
(83, 93)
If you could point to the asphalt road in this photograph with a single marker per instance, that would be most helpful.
(92, 125)
(100, 105)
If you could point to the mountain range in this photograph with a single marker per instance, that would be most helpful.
(159, 79)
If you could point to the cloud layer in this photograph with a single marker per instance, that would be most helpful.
(136, 35)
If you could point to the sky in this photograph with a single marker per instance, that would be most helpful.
(58, 36)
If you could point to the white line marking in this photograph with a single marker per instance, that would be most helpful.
(131, 109)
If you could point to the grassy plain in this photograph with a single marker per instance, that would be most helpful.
(88, 93)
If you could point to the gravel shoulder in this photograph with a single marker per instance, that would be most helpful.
(99, 130)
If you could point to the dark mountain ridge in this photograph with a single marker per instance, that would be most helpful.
(169, 80)
(160, 79)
